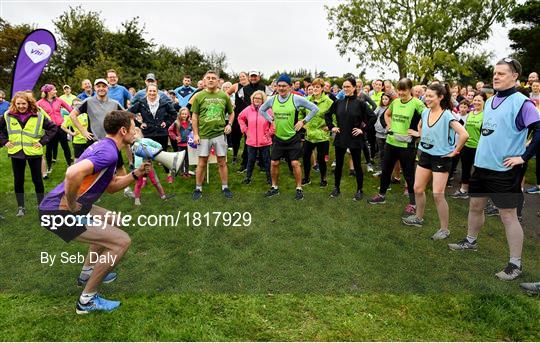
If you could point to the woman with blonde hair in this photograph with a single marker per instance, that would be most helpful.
(24, 131)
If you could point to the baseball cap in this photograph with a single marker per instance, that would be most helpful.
(101, 81)
(254, 72)
(150, 76)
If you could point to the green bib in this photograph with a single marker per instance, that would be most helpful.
(402, 115)
(285, 117)
(473, 127)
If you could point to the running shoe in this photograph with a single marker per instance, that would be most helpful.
(463, 245)
(396, 180)
(358, 196)
(509, 273)
(21, 212)
(441, 234)
(316, 168)
(97, 303)
(377, 199)
(246, 181)
(409, 210)
(460, 195)
(335, 193)
(192, 173)
(370, 168)
(271, 192)
(333, 165)
(112, 276)
(137, 202)
(352, 172)
(167, 196)
(533, 190)
(197, 194)
(299, 195)
(323, 183)
(490, 210)
(227, 193)
(377, 174)
(412, 220)
(128, 193)
(531, 288)
(306, 181)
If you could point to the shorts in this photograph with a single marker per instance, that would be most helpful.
(120, 161)
(503, 187)
(64, 224)
(436, 164)
(290, 149)
(219, 143)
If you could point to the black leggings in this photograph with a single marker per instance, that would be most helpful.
(236, 138)
(19, 167)
(61, 137)
(467, 162)
(322, 151)
(406, 158)
(356, 155)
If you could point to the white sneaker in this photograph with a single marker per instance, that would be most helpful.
(137, 202)
(21, 212)
(509, 273)
(128, 193)
(370, 168)
(441, 234)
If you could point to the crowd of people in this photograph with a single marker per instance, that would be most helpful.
(421, 131)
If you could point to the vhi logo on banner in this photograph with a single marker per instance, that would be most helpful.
(34, 54)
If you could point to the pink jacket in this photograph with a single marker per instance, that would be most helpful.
(258, 130)
(53, 109)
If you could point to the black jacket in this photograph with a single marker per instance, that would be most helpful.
(350, 113)
(165, 113)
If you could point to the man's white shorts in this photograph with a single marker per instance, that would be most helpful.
(219, 143)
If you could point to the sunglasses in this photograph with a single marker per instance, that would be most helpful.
(511, 62)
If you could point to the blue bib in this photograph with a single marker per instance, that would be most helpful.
(439, 139)
(500, 138)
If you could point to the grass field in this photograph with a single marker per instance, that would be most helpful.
(319, 269)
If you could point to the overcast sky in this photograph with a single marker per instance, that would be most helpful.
(261, 35)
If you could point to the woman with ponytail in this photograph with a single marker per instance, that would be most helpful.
(437, 131)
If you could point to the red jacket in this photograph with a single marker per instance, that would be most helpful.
(258, 130)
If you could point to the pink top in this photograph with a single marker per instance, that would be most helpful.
(258, 130)
(53, 109)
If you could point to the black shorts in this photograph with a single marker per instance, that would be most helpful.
(504, 188)
(436, 164)
(120, 162)
(290, 149)
(64, 224)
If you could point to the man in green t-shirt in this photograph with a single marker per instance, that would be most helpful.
(210, 124)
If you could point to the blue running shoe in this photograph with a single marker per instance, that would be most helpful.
(97, 303)
(107, 279)
(533, 190)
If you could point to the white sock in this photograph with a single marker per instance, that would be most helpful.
(86, 297)
(86, 272)
(516, 261)
(299, 188)
(198, 187)
(224, 186)
(471, 239)
(274, 187)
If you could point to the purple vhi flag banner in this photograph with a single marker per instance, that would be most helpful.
(34, 54)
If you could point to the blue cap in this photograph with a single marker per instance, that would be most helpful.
(284, 78)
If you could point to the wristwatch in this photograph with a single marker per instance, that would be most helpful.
(133, 174)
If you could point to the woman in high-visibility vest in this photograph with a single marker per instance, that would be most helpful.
(24, 131)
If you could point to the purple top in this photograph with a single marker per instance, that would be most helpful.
(103, 155)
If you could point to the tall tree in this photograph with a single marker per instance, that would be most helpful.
(419, 37)
(526, 38)
(11, 38)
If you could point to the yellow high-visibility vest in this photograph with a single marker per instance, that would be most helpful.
(25, 138)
